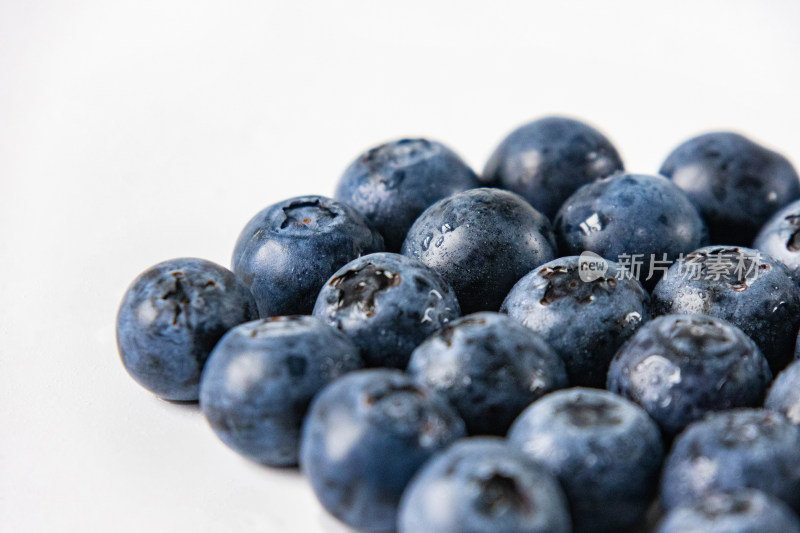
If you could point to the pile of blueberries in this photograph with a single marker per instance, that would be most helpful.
(431, 350)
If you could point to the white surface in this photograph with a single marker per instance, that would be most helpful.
(132, 132)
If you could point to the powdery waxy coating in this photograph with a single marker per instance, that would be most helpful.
(604, 449)
(744, 511)
(784, 395)
(584, 321)
(483, 485)
(548, 159)
(779, 238)
(365, 437)
(288, 250)
(731, 450)
(387, 304)
(393, 183)
(628, 214)
(261, 377)
(679, 367)
(489, 368)
(481, 241)
(748, 289)
(171, 317)
(735, 183)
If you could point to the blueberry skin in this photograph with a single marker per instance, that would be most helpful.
(604, 449)
(489, 368)
(481, 241)
(288, 250)
(764, 304)
(548, 159)
(784, 395)
(483, 485)
(744, 511)
(261, 377)
(393, 183)
(585, 322)
(735, 183)
(387, 304)
(171, 317)
(731, 450)
(365, 437)
(630, 214)
(680, 367)
(779, 238)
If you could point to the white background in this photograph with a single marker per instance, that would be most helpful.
(132, 132)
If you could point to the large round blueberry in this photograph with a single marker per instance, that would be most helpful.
(779, 238)
(784, 395)
(679, 367)
(393, 183)
(489, 367)
(170, 319)
(743, 511)
(748, 289)
(634, 218)
(735, 183)
(483, 485)
(731, 450)
(365, 437)
(261, 377)
(287, 251)
(481, 241)
(548, 159)
(585, 315)
(388, 304)
(604, 449)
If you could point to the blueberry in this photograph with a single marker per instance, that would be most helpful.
(394, 182)
(170, 319)
(779, 238)
(584, 321)
(387, 304)
(735, 183)
(483, 485)
(784, 395)
(287, 251)
(548, 159)
(604, 449)
(748, 289)
(365, 437)
(481, 241)
(489, 367)
(731, 450)
(638, 218)
(679, 367)
(744, 511)
(260, 379)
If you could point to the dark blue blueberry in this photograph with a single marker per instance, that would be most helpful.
(784, 395)
(630, 214)
(481, 241)
(584, 321)
(548, 159)
(604, 449)
(388, 304)
(260, 379)
(748, 289)
(779, 238)
(732, 450)
(735, 183)
(679, 367)
(170, 319)
(365, 437)
(287, 251)
(489, 367)
(744, 511)
(394, 182)
(483, 485)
